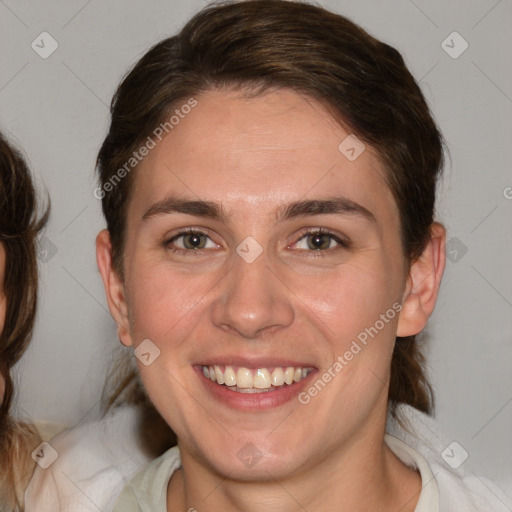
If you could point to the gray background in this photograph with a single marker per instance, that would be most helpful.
(56, 109)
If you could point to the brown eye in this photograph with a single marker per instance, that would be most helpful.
(194, 241)
(319, 241)
(190, 241)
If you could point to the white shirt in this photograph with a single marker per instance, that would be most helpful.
(97, 460)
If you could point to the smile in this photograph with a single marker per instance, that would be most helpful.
(257, 380)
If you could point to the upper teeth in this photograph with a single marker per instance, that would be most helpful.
(260, 378)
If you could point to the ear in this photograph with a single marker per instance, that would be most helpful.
(423, 284)
(114, 287)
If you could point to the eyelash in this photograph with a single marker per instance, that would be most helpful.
(342, 243)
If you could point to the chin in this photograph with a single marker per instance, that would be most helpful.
(251, 458)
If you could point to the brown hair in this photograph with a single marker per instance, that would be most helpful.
(19, 226)
(258, 45)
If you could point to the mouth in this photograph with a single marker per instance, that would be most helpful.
(258, 388)
(255, 380)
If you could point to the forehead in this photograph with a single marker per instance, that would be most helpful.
(260, 151)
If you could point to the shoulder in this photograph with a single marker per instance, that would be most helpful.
(92, 463)
(460, 487)
(147, 491)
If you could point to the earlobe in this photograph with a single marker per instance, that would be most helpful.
(423, 284)
(114, 287)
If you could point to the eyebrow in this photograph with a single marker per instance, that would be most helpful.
(215, 211)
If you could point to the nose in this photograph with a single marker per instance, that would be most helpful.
(252, 300)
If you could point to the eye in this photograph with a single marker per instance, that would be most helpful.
(190, 240)
(317, 240)
(320, 241)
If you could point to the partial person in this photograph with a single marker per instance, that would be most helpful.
(20, 224)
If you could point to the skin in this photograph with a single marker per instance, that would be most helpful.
(3, 306)
(253, 156)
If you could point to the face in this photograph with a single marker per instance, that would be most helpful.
(258, 252)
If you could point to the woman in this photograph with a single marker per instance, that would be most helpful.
(268, 182)
(19, 227)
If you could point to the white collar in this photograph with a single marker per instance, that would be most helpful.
(429, 497)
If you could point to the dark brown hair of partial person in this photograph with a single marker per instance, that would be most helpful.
(19, 227)
(262, 45)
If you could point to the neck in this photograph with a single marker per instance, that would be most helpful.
(361, 475)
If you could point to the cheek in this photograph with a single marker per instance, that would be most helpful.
(162, 301)
(357, 310)
(351, 299)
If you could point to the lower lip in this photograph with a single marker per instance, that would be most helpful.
(253, 401)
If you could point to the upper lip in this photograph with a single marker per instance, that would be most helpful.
(254, 362)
